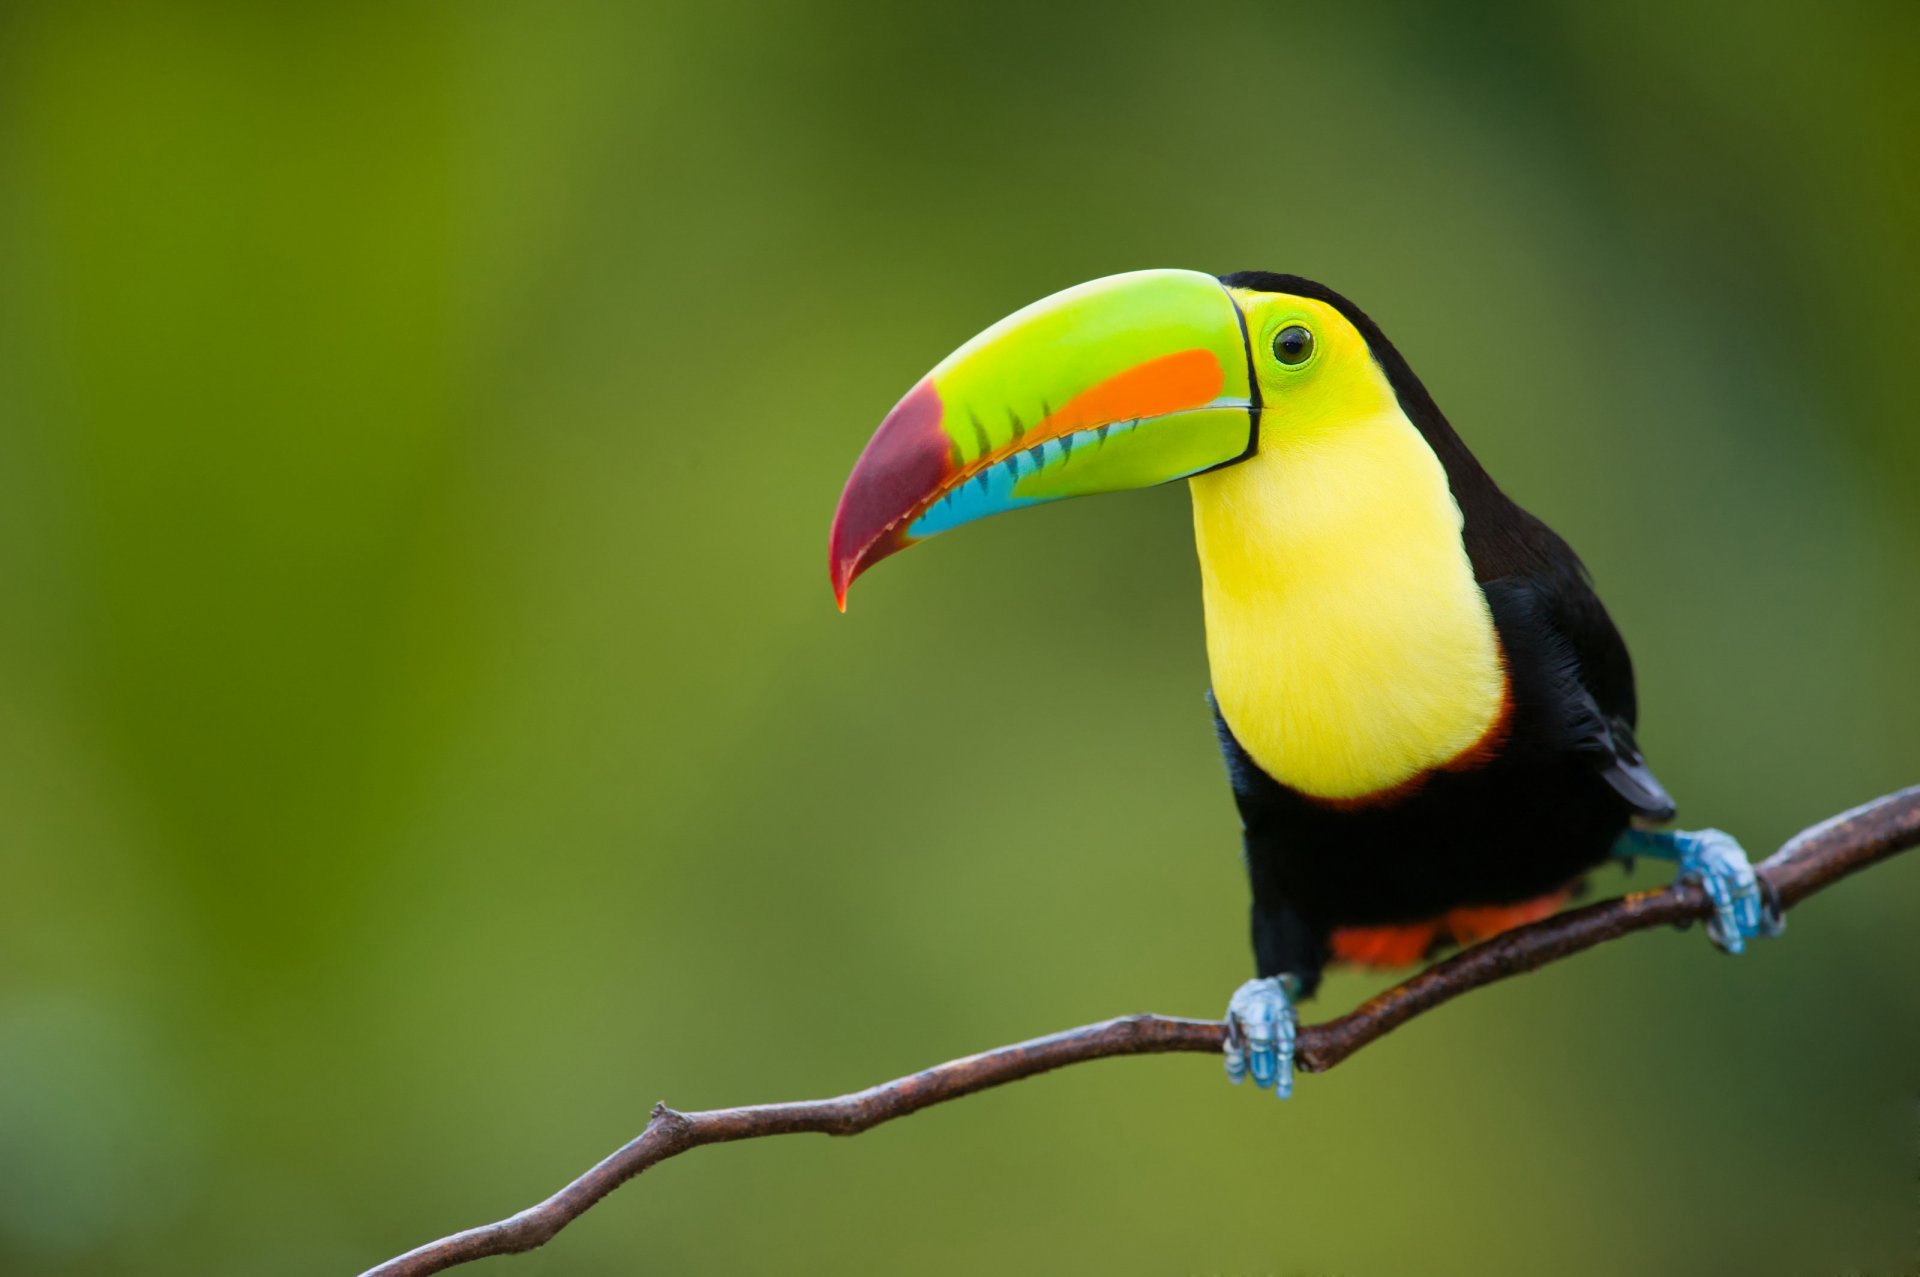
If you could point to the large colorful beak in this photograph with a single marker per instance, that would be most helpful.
(1124, 382)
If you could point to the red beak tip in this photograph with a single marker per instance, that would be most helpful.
(841, 574)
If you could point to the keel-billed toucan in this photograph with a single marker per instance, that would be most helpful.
(1427, 714)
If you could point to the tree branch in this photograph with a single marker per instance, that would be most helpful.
(1810, 861)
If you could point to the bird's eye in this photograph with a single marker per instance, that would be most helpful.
(1293, 345)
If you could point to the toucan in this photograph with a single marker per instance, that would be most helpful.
(1427, 714)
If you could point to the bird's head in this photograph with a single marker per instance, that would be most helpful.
(1124, 382)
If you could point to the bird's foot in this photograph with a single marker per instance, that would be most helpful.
(1743, 904)
(1260, 1033)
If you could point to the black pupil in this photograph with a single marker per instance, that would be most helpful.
(1292, 345)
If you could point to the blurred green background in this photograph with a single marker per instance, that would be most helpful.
(427, 738)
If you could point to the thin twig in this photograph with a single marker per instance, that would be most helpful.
(1810, 861)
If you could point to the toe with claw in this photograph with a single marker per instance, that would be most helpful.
(1743, 905)
(1260, 1035)
(1742, 910)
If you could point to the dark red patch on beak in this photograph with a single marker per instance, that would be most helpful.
(905, 463)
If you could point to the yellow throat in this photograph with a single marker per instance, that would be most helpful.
(1351, 649)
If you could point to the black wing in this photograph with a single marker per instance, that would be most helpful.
(1552, 609)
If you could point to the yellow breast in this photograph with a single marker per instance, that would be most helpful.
(1351, 648)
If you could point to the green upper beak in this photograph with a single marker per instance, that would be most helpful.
(1123, 382)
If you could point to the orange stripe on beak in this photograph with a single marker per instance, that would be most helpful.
(1171, 383)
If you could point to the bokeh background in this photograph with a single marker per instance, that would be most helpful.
(427, 738)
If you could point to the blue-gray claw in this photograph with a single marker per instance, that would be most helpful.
(1743, 905)
(1719, 864)
(1260, 1035)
